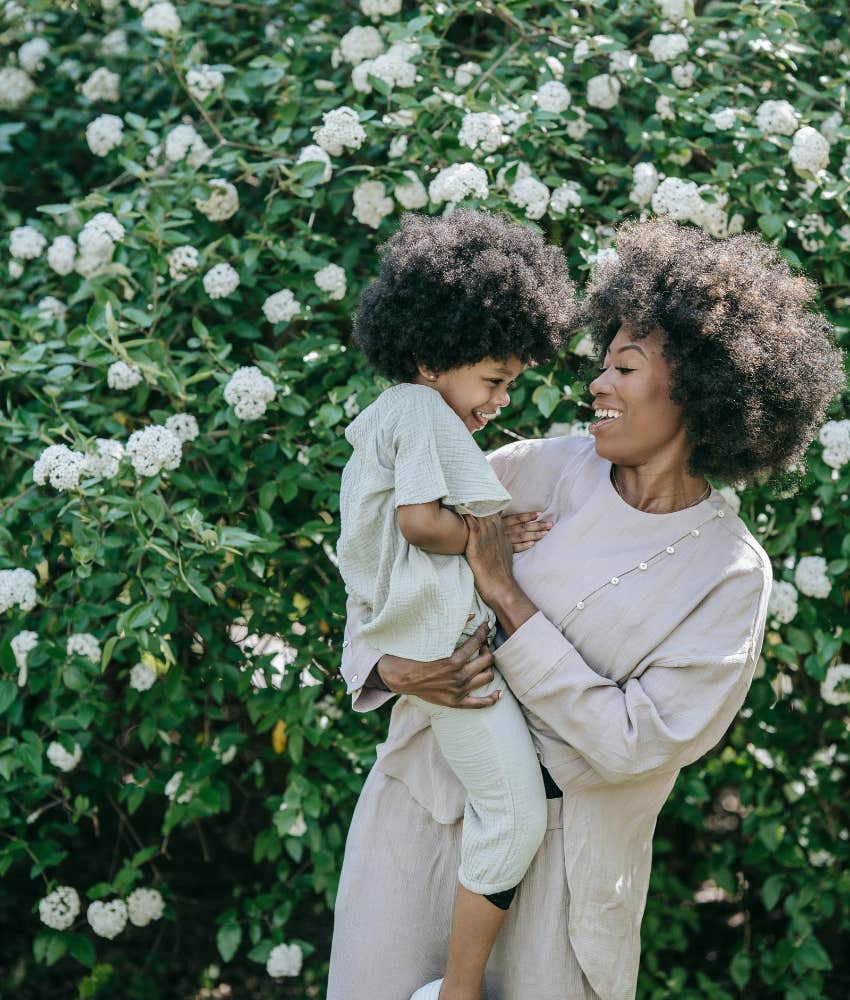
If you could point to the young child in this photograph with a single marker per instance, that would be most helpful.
(434, 322)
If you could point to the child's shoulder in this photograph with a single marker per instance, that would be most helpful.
(402, 405)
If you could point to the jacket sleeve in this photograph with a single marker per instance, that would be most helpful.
(358, 661)
(675, 705)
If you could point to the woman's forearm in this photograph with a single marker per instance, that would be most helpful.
(512, 607)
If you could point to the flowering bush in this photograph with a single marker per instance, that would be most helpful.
(195, 194)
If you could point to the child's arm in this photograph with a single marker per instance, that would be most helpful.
(433, 528)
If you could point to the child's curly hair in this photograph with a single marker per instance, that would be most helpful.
(452, 291)
(753, 367)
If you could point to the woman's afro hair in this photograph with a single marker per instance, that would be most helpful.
(452, 291)
(753, 367)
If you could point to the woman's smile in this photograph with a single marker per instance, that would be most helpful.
(605, 416)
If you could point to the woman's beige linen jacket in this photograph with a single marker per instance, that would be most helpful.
(638, 660)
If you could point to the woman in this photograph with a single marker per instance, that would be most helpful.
(632, 627)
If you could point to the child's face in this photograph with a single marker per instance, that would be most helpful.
(476, 392)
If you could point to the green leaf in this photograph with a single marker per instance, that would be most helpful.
(8, 693)
(83, 950)
(771, 891)
(228, 940)
(546, 398)
(740, 969)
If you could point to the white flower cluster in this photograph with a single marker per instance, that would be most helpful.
(392, 68)
(153, 449)
(624, 61)
(809, 151)
(22, 645)
(26, 243)
(161, 19)
(60, 466)
(172, 786)
(203, 81)
(360, 43)
(102, 85)
(83, 644)
(315, 154)
(61, 759)
(565, 197)
(723, 119)
(331, 279)
(684, 75)
(776, 118)
(683, 201)
(105, 461)
(513, 119)
(281, 307)
(222, 203)
(182, 261)
(144, 905)
(530, 194)
(371, 203)
(183, 142)
(122, 376)
(413, 194)
(675, 10)
(61, 254)
(644, 183)
(481, 129)
(16, 88)
(552, 96)
(115, 43)
(32, 54)
(184, 425)
(380, 8)
(466, 73)
(17, 587)
(60, 908)
(667, 48)
(104, 134)
(284, 959)
(835, 438)
(837, 678)
(220, 281)
(142, 677)
(96, 242)
(107, 920)
(340, 129)
(811, 577)
(51, 309)
(782, 604)
(249, 391)
(603, 91)
(458, 181)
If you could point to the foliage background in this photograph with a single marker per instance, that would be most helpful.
(750, 894)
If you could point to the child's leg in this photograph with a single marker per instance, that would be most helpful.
(491, 752)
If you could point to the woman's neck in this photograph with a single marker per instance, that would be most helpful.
(659, 489)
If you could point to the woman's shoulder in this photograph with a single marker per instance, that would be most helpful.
(736, 546)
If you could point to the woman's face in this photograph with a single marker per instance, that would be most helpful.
(636, 421)
(476, 392)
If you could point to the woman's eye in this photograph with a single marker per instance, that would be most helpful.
(624, 370)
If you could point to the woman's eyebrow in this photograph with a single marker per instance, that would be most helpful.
(631, 347)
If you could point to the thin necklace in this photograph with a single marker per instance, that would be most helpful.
(700, 499)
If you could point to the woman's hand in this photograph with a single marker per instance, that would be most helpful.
(523, 530)
(490, 554)
(450, 681)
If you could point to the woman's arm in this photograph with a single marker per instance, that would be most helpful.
(676, 705)
(433, 527)
(372, 678)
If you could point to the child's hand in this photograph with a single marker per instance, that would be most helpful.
(523, 530)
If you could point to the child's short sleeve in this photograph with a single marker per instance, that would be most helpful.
(435, 457)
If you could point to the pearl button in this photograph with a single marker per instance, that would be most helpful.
(721, 513)
(695, 532)
(670, 549)
(642, 566)
(615, 580)
(354, 678)
(580, 605)
(345, 642)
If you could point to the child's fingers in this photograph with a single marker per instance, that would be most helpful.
(510, 520)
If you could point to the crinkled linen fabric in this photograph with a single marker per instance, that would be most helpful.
(410, 447)
(639, 658)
